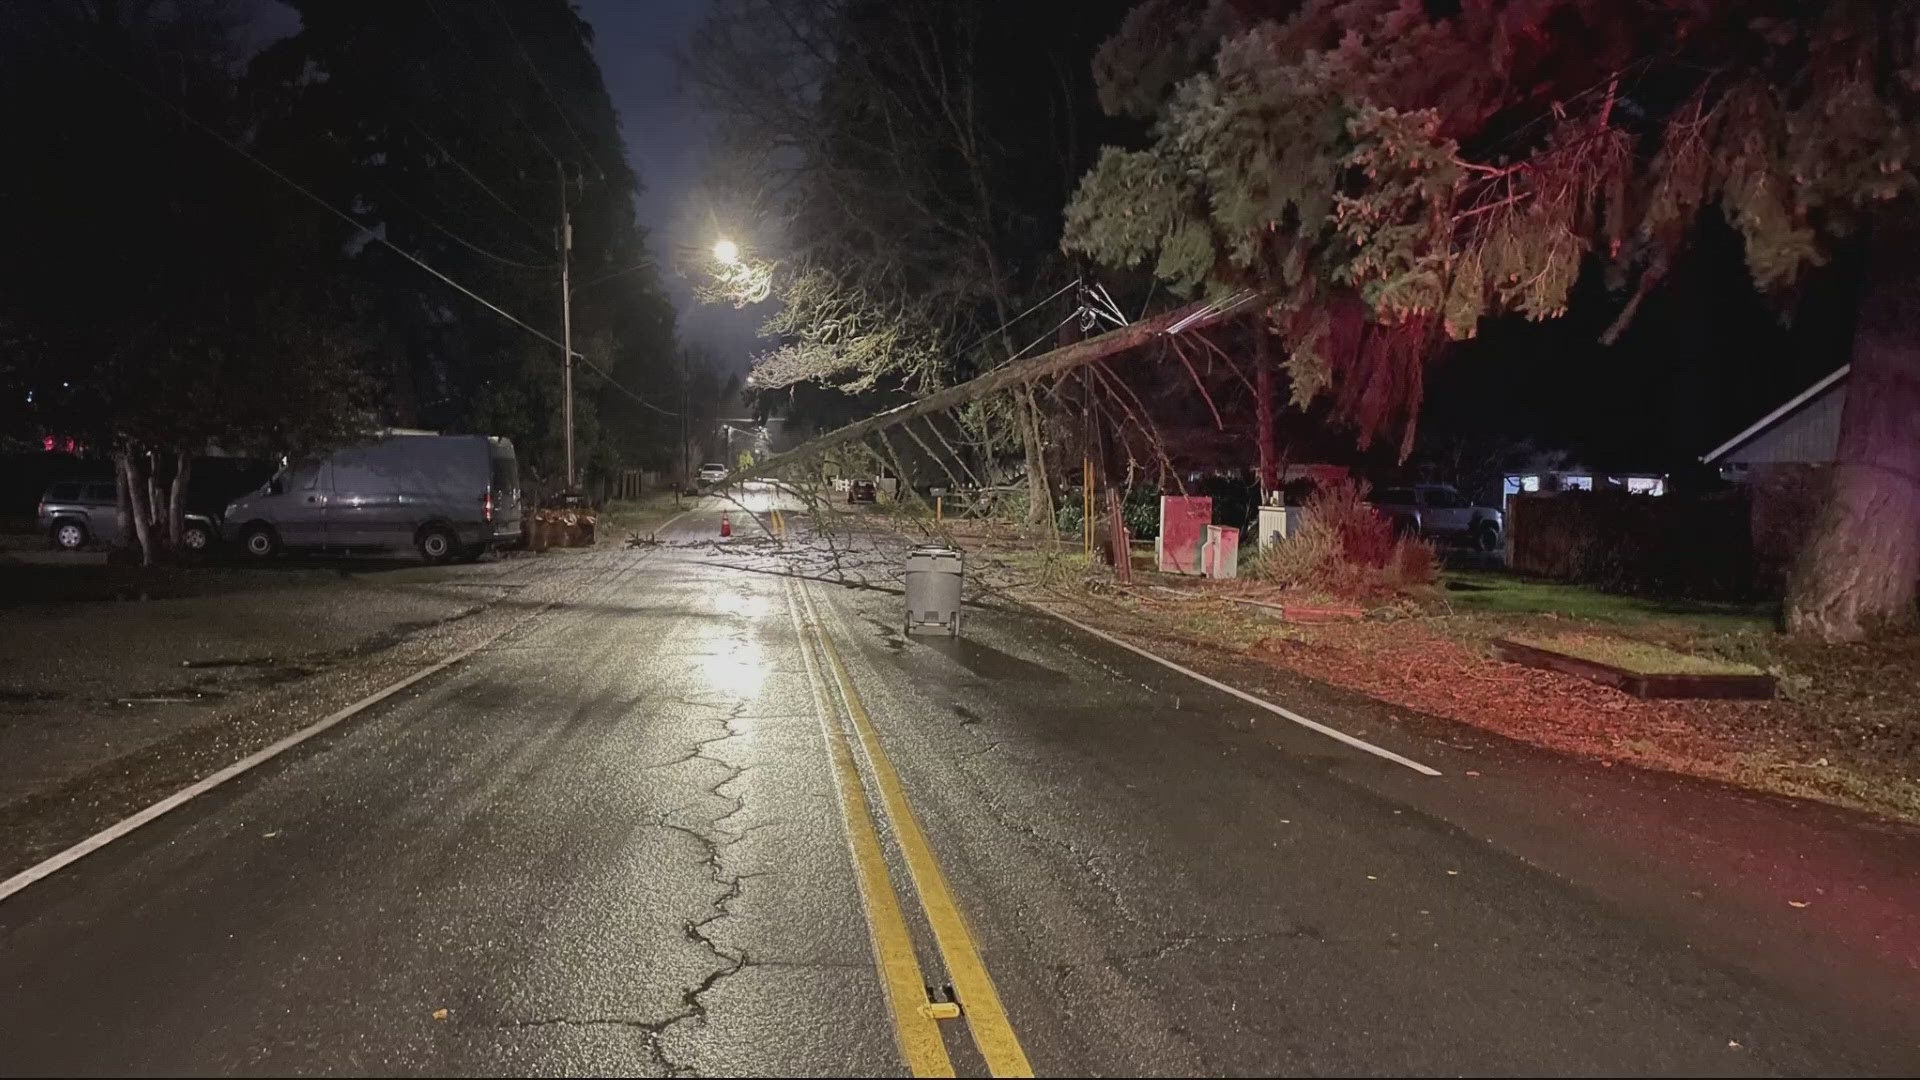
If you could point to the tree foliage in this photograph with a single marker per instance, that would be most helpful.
(1394, 172)
(180, 281)
(156, 297)
(457, 131)
(908, 161)
(155, 291)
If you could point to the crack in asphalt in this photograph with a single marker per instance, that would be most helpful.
(650, 1031)
(714, 844)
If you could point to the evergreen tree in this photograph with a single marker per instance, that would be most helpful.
(458, 131)
(158, 293)
(1391, 173)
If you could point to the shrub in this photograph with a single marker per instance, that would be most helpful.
(1069, 517)
(1142, 512)
(1366, 536)
(1308, 559)
(1346, 547)
(1645, 545)
(1414, 562)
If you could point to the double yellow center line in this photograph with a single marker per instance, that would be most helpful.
(916, 1019)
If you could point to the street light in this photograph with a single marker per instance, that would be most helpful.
(727, 252)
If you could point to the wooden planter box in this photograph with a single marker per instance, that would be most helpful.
(1639, 684)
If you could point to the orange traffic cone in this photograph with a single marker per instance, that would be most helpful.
(726, 524)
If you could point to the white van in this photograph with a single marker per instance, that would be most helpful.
(446, 496)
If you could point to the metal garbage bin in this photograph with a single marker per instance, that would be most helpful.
(933, 582)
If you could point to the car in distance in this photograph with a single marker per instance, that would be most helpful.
(1441, 512)
(446, 496)
(860, 491)
(711, 473)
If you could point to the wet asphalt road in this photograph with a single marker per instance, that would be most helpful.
(610, 843)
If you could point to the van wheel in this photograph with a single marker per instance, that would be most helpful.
(1486, 539)
(196, 538)
(437, 545)
(260, 542)
(69, 535)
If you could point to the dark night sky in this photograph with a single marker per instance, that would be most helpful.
(634, 41)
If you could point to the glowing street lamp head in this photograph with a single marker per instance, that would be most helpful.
(727, 252)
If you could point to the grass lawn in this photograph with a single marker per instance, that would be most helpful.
(1498, 593)
(1640, 657)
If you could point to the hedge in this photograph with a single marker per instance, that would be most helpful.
(1647, 545)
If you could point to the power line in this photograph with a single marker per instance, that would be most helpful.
(468, 172)
(636, 397)
(512, 110)
(427, 71)
(552, 99)
(1009, 323)
(457, 238)
(643, 264)
(371, 234)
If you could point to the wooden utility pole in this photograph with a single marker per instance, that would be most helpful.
(686, 395)
(566, 324)
(1263, 408)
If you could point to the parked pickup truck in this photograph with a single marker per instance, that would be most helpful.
(1441, 512)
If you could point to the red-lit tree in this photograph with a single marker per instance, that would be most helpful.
(1392, 172)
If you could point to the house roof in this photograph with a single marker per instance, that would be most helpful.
(1761, 425)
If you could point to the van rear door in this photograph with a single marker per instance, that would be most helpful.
(505, 486)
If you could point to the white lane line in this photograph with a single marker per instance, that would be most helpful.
(674, 518)
(114, 832)
(1332, 733)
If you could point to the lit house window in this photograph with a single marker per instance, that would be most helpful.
(1576, 483)
(1646, 485)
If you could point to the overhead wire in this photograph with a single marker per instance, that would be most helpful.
(461, 240)
(1003, 327)
(512, 110)
(370, 232)
(552, 98)
(427, 72)
(643, 264)
(469, 173)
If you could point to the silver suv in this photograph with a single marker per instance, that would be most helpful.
(1439, 511)
(75, 513)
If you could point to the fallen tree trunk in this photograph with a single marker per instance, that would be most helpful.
(1019, 372)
